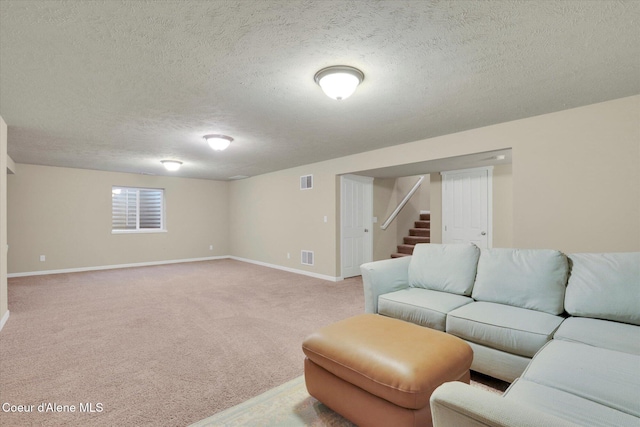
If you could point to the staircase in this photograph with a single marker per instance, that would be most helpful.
(420, 234)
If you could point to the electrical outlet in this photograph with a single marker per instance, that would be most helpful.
(42, 258)
(288, 255)
(325, 218)
(210, 247)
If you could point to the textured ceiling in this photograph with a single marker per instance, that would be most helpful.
(120, 85)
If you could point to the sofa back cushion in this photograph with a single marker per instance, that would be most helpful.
(605, 286)
(535, 279)
(447, 268)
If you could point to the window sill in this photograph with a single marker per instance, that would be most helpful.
(137, 231)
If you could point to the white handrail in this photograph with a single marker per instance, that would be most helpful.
(404, 201)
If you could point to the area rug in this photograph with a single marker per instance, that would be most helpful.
(289, 405)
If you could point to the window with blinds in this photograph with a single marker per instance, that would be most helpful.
(137, 209)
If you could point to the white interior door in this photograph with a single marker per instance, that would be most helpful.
(356, 223)
(466, 206)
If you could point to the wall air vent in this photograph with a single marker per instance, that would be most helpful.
(307, 257)
(306, 182)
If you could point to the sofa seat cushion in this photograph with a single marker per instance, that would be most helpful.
(607, 377)
(446, 268)
(568, 406)
(528, 278)
(605, 286)
(512, 329)
(601, 333)
(421, 306)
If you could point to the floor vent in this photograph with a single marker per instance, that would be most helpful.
(307, 257)
(306, 182)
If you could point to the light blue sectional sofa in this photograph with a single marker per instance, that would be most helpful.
(563, 329)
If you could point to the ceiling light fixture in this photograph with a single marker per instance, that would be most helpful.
(339, 81)
(171, 165)
(218, 142)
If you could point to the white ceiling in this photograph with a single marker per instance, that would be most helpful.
(121, 84)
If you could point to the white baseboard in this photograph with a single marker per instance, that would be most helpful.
(290, 270)
(176, 261)
(4, 320)
(111, 267)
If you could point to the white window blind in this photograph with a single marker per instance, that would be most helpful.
(137, 209)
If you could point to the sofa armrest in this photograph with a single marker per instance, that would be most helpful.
(461, 405)
(382, 277)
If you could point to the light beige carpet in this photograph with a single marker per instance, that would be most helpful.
(289, 405)
(159, 346)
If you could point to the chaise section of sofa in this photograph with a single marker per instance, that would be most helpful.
(461, 405)
(586, 384)
(566, 383)
(588, 374)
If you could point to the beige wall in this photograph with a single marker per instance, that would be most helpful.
(572, 186)
(575, 178)
(272, 218)
(573, 181)
(65, 214)
(3, 219)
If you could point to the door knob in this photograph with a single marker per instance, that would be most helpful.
(366, 230)
(483, 233)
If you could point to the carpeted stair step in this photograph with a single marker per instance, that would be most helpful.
(422, 224)
(424, 232)
(398, 255)
(406, 249)
(418, 235)
(414, 240)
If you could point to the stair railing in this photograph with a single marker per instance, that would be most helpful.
(404, 201)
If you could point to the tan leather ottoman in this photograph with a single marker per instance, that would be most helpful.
(379, 371)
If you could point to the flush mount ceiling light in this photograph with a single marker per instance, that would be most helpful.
(171, 165)
(218, 142)
(339, 81)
